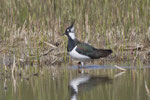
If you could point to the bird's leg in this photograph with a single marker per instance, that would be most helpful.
(80, 66)
(82, 63)
(82, 70)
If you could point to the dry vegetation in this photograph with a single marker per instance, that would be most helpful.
(32, 29)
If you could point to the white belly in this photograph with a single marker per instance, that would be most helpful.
(75, 55)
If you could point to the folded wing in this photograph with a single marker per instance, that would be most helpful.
(92, 52)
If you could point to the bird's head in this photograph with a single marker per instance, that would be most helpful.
(70, 31)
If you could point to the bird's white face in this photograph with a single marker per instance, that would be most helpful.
(72, 35)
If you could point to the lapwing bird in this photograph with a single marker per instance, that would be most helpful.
(83, 51)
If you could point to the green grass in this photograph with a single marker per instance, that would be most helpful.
(118, 24)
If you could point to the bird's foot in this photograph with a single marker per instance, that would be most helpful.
(80, 67)
(80, 64)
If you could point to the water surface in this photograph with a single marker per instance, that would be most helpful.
(96, 84)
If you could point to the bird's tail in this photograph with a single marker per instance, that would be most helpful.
(104, 52)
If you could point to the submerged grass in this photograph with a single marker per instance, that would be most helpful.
(32, 29)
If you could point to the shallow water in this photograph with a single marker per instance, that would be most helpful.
(96, 84)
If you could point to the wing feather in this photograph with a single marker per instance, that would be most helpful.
(86, 49)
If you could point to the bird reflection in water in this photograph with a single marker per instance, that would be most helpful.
(84, 82)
